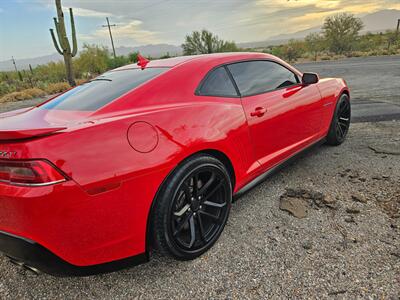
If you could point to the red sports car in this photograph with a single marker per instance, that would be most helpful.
(149, 156)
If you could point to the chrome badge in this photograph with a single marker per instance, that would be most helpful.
(7, 154)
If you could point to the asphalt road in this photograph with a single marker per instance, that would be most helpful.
(374, 84)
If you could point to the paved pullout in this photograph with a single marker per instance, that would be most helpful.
(374, 84)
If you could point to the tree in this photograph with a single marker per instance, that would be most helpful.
(292, 50)
(205, 42)
(315, 44)
(63, 46)
(133, 57)
(93, 60)
(391, 38)
(341, 32)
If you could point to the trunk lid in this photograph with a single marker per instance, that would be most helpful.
(37, 122)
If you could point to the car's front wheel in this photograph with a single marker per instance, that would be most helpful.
(192, 208)
(340, 122)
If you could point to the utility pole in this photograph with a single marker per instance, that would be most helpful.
(398, 27)
(15, 65)
(109, 30)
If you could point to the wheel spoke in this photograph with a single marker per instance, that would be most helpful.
(211, 216)
(192, 232)
(186, 189)
(213, 191)
(344, 108)
(182, 224)
(195, 184)
(182, 211)
(214, 204)
(210, 181)
(340, 131)
(201, 227)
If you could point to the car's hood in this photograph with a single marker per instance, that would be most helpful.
(34, 122)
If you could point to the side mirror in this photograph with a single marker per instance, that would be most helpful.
(309, 78)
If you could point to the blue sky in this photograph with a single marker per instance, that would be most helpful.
(24, 24)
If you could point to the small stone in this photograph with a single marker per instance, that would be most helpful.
(349, 219)
(307, 245)
(352, 210)
(362, 179)
(385, 176)
(359, 198)
(376, 177)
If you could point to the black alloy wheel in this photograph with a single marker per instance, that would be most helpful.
(341, 122)
(194, 208)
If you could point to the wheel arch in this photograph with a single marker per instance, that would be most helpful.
(221, 156)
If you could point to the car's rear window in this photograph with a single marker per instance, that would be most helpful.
(100, 91)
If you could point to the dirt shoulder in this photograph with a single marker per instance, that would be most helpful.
(346, 246)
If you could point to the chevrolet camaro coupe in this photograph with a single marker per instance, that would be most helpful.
(150, 156)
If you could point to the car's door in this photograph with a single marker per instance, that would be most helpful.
(283, 115)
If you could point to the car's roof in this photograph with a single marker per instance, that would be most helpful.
(203, 58)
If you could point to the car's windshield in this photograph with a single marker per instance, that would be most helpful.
(100, 91)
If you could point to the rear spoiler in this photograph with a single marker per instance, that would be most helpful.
(19, 134)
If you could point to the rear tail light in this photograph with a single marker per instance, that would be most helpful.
(29, 173)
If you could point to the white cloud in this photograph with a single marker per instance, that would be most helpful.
(131, 32)
(83, 12)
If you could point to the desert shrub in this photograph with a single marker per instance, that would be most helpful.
(15, 96)
(54, 88)
(325, 57)
(80, 81)
(119, 61)
(35, 92)
(6, 88)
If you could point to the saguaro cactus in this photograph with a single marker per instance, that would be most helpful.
(63, 46)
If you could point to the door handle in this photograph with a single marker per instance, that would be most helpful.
(258, 112)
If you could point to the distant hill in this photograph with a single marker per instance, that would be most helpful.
(375, 22)
(148, 50)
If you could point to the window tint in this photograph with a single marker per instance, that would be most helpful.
(218, 83)
(102, 90)
(256, 77)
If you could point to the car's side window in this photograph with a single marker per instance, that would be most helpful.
(218, 83)
(256, 77)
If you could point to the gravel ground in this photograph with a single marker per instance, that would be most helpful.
(347, 249)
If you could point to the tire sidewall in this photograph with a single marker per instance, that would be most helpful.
(165, 201)
(332, 137)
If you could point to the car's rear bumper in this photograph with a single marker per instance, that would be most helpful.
(38, 257)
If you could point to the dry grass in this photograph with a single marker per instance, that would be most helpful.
(15, 96)
(54, 88)
(35, 92)
(23, 95)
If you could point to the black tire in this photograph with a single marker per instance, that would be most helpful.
(340, 122)
(188, 219)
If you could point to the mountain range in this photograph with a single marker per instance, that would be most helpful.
(374, 22)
